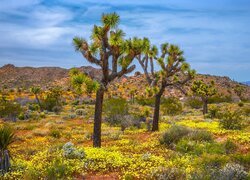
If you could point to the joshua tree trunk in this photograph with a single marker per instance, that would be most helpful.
(205, 102)
(39, 103)
(98, 118)
(155, 126)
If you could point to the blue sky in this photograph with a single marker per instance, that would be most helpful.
(214, 34)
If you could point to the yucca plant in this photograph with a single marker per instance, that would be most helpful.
(6, 138)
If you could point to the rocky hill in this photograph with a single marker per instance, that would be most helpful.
(12, 77)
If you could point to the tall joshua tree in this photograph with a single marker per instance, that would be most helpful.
(36, 91)
(174, 71)
(203, 90)
(113, 54)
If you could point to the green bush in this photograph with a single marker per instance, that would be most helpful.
(201, 135)
(57, 170)
(9, 110)
(55, 133)
(187, 146)
(219, 99)
(171, 106)
(240, 104)
(194, 103)
(57, 109)
(115, 109)
(145, 101)
(52, 99)
(33, 107)
(193, 147)
(230, 146)
(212, 161)
(243, 159)
(231, 120)
(214, 112)
(80, 112)
(168, 174)
(174, 134)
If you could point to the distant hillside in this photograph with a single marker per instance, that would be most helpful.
(13, 77)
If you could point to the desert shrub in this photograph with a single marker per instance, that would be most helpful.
(187, 146)
(240, 104)
(71, 116)
(193, 147)
(115, 109)
(24, 115)
(212, 161)
(201, 135)
(55, 133)
(145, 101)
(168, 174)
(75, 103)
(230, 146)
(232, 171)
(194, 102)
(57, 170)
(246, 110)
(219, 99)
(52, 99)
(42, 115)
(214, 148)
(57, 109)
(174, 134)
(9, 110)
(243, 159)
(69, 151)
(171, 106)
(82, 106)
(214, 112)
(130, 121)
(33, 107)
(231, 120)
(80, 112)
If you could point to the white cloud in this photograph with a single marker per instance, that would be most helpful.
(10, 5)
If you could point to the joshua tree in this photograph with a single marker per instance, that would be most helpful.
(204, 91)
(108, 50)
(174, 71)
(36, 91)
(6, 138)
(239, 90)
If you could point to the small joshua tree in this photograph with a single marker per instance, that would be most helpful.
(239, 90)
(36, 91)
(6, 138)
(112, 54)
(82, 83)
(174, 71)
(204, 91)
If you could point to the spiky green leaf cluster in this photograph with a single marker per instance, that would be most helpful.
(110, 20)
(6, 137)
(203, 89)
(81, 82)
